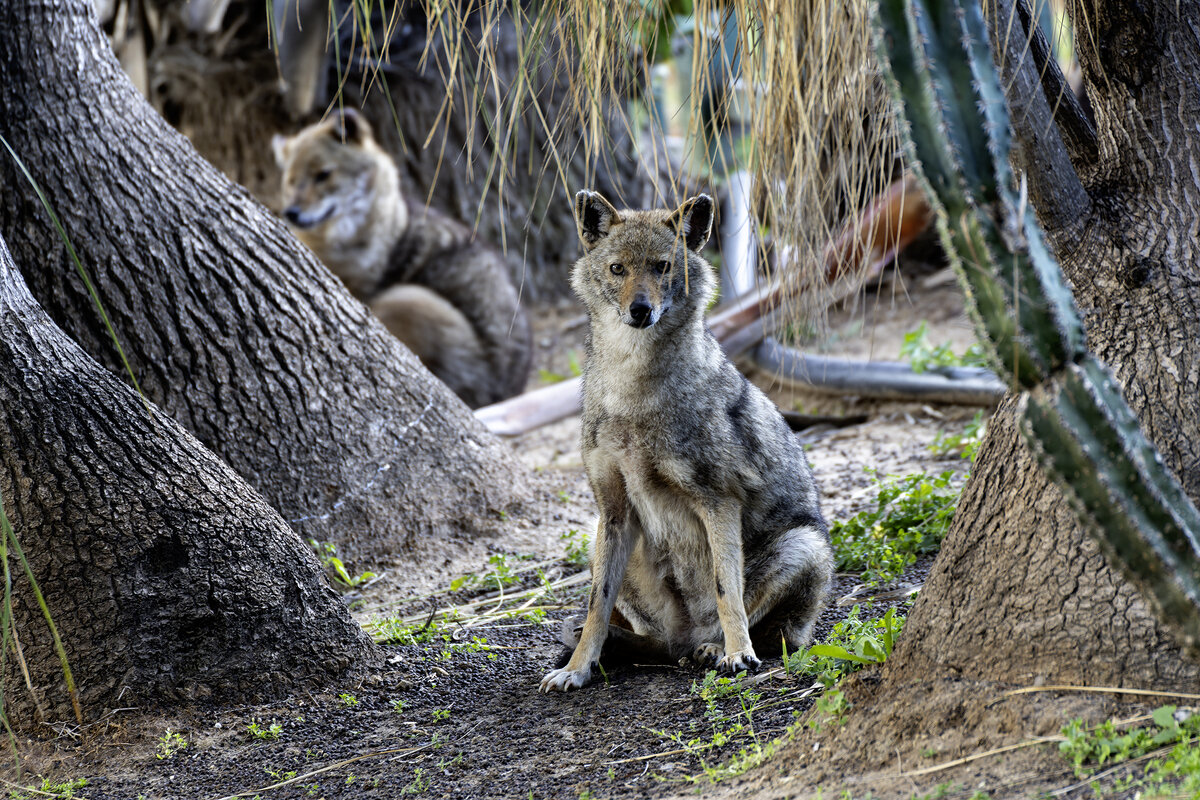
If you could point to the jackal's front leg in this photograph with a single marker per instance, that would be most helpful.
(613, 544)
(724, 527)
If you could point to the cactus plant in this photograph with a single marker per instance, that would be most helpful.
(938, 61)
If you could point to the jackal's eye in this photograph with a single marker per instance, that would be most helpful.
(617, 269)
(662, 266)
(322, 176)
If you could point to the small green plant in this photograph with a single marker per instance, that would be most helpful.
(577, 545)
(261, 734)
(911, 516)
(924, 355)
(419, 783)
(339, 576)
(831, 707)
(500, 575)
(851, 645)
(564, 496)
(49, 788)
(398, 706)
(169, 744)
(395, 630)
(965, 444)
(1108, 744)
(440, 714)
(348, 700)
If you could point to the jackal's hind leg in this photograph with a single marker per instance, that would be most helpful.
(794, 605)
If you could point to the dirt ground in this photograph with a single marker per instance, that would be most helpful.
(460, 716)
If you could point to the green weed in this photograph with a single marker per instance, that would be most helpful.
(831, 707)
(49, 788)
(261, 734)
(169, 744)
(339, 576)
(500, 575)
(924, 355)
(348, 700)
(965, 444)
(1175, 732)
(911, 516)
(577, 545)
(419, 784)
(851, 645)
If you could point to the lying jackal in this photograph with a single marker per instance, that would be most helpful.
(710, 541)
(438, 290)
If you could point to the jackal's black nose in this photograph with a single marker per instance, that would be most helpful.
(292, 213)
(641, 312)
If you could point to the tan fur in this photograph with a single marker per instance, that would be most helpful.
(710, 534)
(437, 289)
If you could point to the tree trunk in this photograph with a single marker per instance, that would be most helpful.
(1019, 591)
(232, 327)
(167, 576)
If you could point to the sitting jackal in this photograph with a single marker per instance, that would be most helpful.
(444, 294)
(710, 542)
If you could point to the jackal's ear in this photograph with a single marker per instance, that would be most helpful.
(594, 218)
(693, 221)
(279, 146)
(350, 127)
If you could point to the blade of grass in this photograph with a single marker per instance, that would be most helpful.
(6, 530)
(87, 281)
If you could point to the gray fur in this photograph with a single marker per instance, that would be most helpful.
(710, 532)
(437, 288)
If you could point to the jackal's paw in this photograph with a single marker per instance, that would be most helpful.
(739, 661)
(707, 655)
(564, 680)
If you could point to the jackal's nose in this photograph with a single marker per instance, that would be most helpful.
(642, 312)
(292, 214)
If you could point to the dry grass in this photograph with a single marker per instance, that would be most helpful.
(797, 80)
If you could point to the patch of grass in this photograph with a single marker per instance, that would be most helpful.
(577, 544)
(923, 355)
(965, 444)
(911, 516)
(1174, 736)
(50, 788)
(419, 784)
(169, 744)
(338, 575)
(851, 645)
(348, 700)
(500, 575)
(264, 734)
(831, 707)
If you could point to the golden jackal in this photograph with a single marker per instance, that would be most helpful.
(445, 295)
(710, 541)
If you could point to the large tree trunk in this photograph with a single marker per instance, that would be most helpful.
(232, 327)
(1019, 590)
(167, 576)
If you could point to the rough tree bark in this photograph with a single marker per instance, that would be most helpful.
(232, 327)
(167, 576)
(1019, 590)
